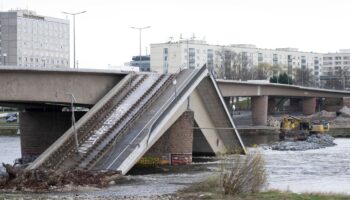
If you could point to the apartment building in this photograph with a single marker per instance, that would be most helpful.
(169, 57)
(336, 64)
(32, 40)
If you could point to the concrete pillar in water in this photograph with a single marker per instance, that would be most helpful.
(346, 101)
(309, 105)
(175, 146)
(259, 110)
(39, 129)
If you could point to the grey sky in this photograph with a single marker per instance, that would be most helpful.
(104, 35)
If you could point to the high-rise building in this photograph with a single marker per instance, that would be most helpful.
(31, 40)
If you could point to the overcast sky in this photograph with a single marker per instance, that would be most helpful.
(104, 36)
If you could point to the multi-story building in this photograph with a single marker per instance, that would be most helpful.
(31, 40)
(169, 57)
(336, 64)
(336, 69)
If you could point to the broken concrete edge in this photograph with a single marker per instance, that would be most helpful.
(146, 143)
(227, 112)
(37, 162)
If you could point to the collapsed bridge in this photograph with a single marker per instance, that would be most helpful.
(147, 115)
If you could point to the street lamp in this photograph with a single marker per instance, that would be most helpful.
(140, 29)
(73, 14)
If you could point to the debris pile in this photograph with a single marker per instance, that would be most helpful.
(322, 115)
(274, 122)
(345, 112)
(312, 142)
(43, 180)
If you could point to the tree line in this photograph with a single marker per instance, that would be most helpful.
(237, 66)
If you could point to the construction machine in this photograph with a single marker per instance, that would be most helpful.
(301, 128)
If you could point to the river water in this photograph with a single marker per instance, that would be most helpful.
(322, 170)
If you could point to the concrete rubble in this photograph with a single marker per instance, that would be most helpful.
(345, 112)
(46, 180)
(312, 142)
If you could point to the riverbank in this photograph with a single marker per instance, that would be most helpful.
(8, 128)
(210, 189)
(304, 172)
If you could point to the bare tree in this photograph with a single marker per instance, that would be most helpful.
(304, 77)
(338, 81)
(231, 64)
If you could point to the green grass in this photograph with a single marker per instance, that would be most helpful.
(8, 128)
(210, 189)
(278, 195)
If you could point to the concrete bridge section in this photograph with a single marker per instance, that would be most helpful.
(51, 86)
(262, 95)
(141, 109)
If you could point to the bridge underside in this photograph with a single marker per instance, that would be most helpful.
(137, 114)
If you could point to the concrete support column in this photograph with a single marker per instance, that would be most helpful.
(346, 101)
(176, 144)
(271, 105)
(259, 110)
(309, 105)
(39, 129)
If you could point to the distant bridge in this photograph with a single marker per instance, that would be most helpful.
(231, 88)
(263, 96)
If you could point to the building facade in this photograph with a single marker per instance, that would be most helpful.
(31, 40)
(336, 70)
(170, 57)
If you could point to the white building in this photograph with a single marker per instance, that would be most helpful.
(32, 40)
(336, 64)
(169, 57)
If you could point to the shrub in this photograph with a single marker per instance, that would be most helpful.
(246, 175)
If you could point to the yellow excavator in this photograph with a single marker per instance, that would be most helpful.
(301, 128)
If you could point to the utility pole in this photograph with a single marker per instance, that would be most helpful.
(73, 14)
(140, 30)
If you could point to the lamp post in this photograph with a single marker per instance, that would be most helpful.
(140, 30)
(73, 14)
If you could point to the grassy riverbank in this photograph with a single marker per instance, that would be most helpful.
(210, 189)
(8, 128)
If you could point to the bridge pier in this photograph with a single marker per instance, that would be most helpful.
(39, 129)
(259, 110)
(309, 105)
(176, 144)
(346, 101)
